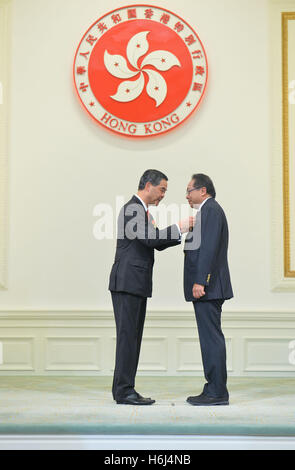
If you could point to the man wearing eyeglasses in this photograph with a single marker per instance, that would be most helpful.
(131, 278)
(207, 284)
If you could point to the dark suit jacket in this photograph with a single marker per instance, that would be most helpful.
(206, 263)
(132, 270)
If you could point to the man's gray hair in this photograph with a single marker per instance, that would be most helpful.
(151, 176)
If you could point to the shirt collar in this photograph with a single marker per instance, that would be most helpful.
(142, 202)
(145, 206)
(204, 202)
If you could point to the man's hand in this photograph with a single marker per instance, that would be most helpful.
(198, 291)
(186, 225)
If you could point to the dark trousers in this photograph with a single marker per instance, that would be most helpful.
(212, 342)
(129, 313)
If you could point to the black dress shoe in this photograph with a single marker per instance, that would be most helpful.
(139, 396)
(205, 400)
(135, 399)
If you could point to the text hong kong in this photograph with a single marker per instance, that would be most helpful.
(140, 128)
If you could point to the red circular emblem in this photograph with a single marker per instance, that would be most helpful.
(140, 70)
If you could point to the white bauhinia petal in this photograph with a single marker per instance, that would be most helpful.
(156, 87)
(137, 47)
(117, 66)
(161, 60)
(129, 90)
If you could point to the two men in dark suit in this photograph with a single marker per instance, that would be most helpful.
(207, 284)
(131, 278)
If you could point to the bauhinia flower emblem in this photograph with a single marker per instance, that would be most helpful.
(129, 90)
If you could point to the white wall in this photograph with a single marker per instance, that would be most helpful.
(62, 164)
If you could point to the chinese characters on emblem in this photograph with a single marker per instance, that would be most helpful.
(194, 49)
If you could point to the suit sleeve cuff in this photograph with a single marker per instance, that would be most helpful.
(203, 280)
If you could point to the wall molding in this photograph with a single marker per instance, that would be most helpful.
(82, 342)
(42, 312)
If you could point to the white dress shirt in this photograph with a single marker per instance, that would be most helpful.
(146, 208)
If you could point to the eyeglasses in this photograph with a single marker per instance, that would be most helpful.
(188, 191)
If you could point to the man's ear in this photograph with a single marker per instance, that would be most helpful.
(148, 186)
(203, 191)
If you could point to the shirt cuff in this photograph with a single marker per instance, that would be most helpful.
(180, 234)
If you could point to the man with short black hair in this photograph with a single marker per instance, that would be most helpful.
(207, 284)
(131, 278)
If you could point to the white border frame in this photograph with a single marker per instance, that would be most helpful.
(144, 442)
